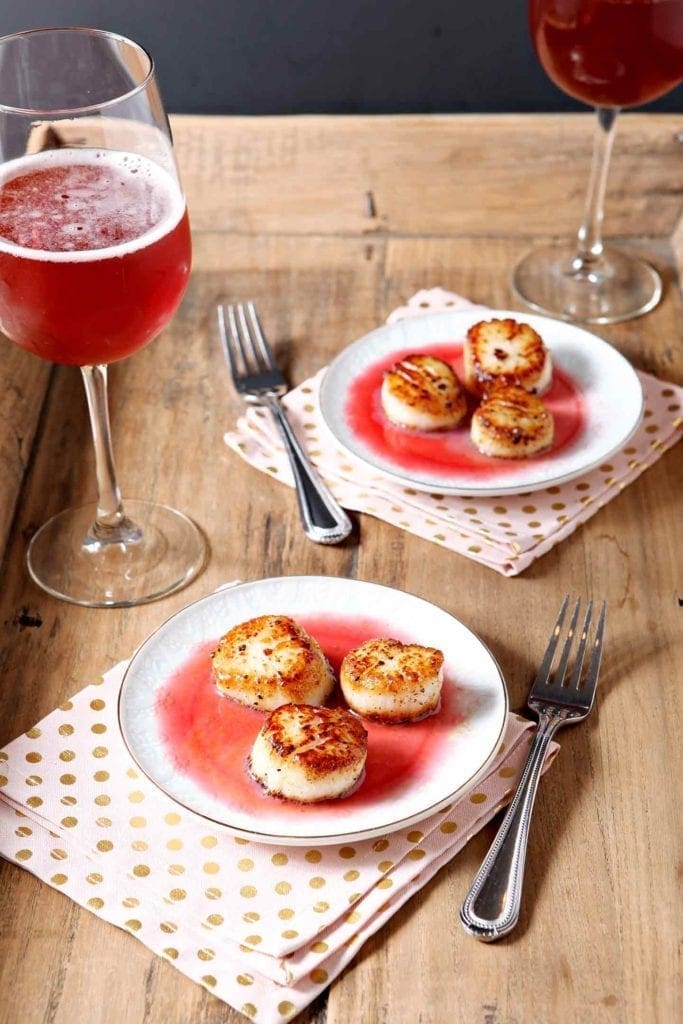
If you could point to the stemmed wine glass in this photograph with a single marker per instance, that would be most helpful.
(94, 259)
(610, 54)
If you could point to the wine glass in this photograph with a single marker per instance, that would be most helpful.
(610, 54)
(94, 259)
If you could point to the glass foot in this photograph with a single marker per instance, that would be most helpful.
(616, 287)
(155, 551)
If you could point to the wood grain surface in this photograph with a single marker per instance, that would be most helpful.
(328, 224)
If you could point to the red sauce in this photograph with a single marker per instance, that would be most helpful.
(209, 736)
(449, 452)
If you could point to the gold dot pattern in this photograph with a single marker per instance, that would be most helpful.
(290, 896)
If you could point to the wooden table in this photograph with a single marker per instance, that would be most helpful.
(329, 223)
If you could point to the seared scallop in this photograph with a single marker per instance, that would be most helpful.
(388, 681)
(309, 754)
(508, 352)
(512, 424)
(422, 392)
(269, 661)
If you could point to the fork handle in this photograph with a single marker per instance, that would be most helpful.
(324, 521)
(491, 907)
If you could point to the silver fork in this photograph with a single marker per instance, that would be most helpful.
(491, 908)
(258, 380)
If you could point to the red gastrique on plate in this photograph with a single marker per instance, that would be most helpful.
(304, 751)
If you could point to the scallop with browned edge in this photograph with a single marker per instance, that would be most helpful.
(309, 754)
(269, 661)
(388, 681)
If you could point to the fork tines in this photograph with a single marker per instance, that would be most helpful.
(245, 345)
(579, 690)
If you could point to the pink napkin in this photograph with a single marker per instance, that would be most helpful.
(505, 533)
(265, 928)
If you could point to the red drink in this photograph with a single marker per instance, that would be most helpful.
(94, 253)
(610, 53)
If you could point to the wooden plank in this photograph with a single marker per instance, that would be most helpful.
(23, 382)
(522, 175)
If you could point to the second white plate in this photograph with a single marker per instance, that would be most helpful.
(604, 384)
(204, 767)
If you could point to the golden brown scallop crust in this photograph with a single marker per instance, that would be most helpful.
(424, 393)
(271, 660)
(512, 424)
(306, 754)
(385, 680)
(508, 352)
(322, 740)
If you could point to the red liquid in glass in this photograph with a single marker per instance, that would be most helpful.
(449, 452)
(209, 737)
(612, 53)
(94, 254)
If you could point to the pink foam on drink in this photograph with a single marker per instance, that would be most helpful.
(83, 205)
(80, 206)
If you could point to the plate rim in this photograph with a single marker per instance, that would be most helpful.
(271, 838)
(464, 491)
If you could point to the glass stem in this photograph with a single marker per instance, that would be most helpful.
(590, 233)
(109, 506)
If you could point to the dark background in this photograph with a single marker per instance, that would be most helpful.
(326, 56)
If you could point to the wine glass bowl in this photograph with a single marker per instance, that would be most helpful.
(610, 54)
(95, 255)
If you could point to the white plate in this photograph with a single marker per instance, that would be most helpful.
(608, 386)
(466, 732)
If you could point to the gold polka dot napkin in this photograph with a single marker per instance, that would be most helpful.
(506, 533)
(264, 927)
